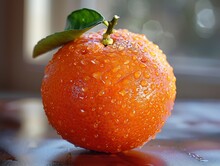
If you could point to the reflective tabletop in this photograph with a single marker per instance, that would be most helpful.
(190, 137)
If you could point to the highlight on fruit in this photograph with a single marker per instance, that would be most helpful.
(108, 91)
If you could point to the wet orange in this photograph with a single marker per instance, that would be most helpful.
(108, 98)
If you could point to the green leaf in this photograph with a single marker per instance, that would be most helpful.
(83, 18)
(78, 22)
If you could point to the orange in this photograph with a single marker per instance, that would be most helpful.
(108, 98)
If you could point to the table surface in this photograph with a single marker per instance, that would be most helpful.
(190, 137)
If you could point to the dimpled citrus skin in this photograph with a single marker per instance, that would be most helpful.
(108, 98)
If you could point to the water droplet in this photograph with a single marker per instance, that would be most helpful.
(119, 102)
(137, 74)
(111, 55)
(108, 82)
(152, 54)
(113, 113)
(83, 51)
(96, 135)
(116, 130)
(126, 121)
(106, 113)
(126, 136)
(94, 61)
(144, 83)
(101, 93)
(117, 121)
(83, 62)
(146, 75)
(71, 80)
(96, 75)
(116, 69)
(197, 157)
(152, 86)
(86, 78)
(120, 48)
(126, 62)
(71, 48)
(81, 110)
(84, 89)
(123, 92)
(146, 92)
(142, 65)
(118, 75)
(133, 113)
(123, 105)
(113, 100)
(106, 60)
(95, 125)
(134, 57)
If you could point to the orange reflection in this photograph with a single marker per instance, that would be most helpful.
(129, 158)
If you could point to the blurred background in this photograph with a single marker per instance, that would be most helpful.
(187, 31)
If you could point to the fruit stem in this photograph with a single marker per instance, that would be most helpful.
(107, 40)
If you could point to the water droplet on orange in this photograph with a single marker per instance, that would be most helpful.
(94, 61)
(126, 62)
(86, 78)
(126, 121)
(126, 136)
(116, 69)
(144, 83)
(83, 62)
(106, 60)
(123, 92)
(117, 121)
(152, 54)
(152, 86)
(84, 89)
(95, 125)
(118, 75)
(101, 93)
(96, 75)
(113, 100)
(137, 74)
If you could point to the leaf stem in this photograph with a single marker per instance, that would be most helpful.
(107, 40)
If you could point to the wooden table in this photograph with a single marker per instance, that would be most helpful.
(190, 137)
